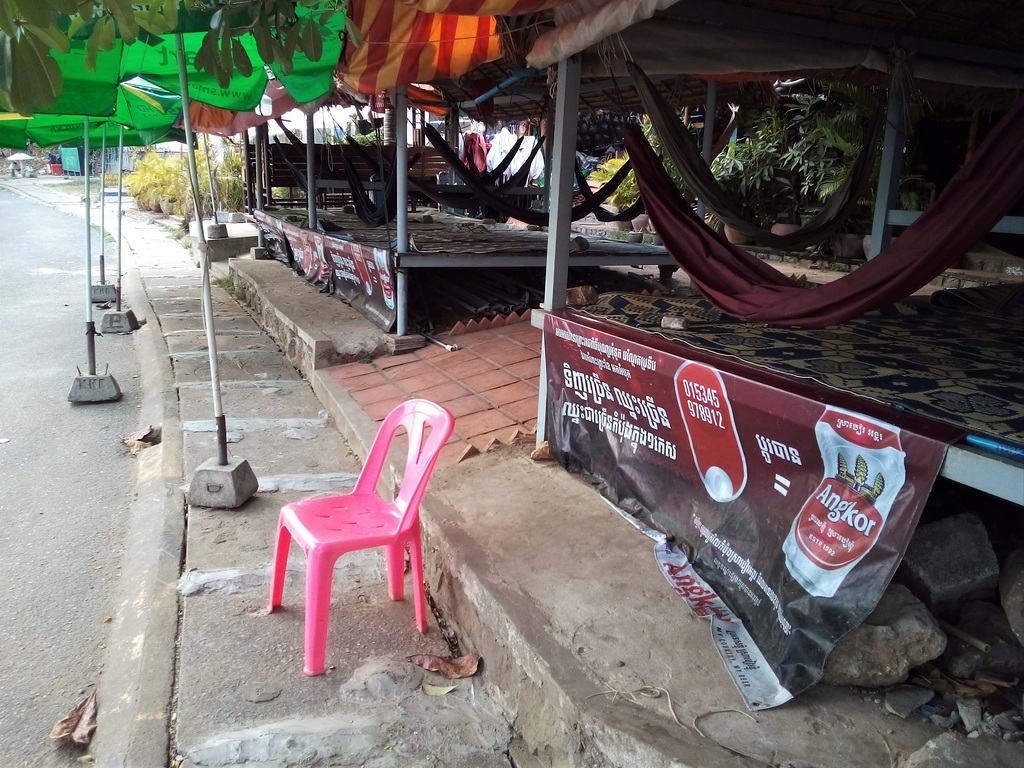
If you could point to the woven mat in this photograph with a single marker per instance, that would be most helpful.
(963, 369)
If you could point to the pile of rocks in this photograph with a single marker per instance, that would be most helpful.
(946, 640)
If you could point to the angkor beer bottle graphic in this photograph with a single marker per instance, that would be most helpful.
(844, 516)
(714, 443)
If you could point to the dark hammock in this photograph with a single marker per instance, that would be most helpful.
(432, 191)
(743, 286)
(518, 179)
(678, 143)
(372, 214)
(368, 212)
(487, 197)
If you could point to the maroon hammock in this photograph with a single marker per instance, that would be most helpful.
(743, 286)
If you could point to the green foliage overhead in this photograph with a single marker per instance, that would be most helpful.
(30, 30)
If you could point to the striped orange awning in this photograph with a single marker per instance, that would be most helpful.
(398, 42)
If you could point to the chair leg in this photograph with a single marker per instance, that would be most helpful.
(319, 574)
(395, 554)
(419, 594)
(278, 566)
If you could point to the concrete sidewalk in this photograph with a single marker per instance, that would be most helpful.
(589, 657)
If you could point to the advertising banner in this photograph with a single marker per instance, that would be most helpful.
(788, 514)
(360, 275)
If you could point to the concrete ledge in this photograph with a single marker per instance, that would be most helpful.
(240, 238)
(313, 329)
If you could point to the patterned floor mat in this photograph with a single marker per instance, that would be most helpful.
(963, 369)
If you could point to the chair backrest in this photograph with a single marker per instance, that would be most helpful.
(416, 416)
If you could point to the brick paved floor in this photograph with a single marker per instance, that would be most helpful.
(490, 384)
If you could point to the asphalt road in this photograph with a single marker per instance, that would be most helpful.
(66, 478)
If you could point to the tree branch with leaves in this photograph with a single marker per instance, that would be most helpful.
(31, 30)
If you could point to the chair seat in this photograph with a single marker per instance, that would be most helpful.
(356, 521)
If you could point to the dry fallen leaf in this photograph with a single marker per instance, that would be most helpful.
(135, 446)
(464, 666)
(437, 690)
(79, 726)
(542, 452)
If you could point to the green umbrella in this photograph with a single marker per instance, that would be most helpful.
(50, 130)
(147, 112)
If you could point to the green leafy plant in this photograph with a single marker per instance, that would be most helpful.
(794, 155)
(627, 192)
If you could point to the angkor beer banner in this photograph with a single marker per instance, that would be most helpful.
(359, 274)
(789, 515)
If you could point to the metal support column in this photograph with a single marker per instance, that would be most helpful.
(103, 205)
(310, 172)
(247, 181)
(120, 196)
(710, 108)
(258, 163)
(211, 337)
(91, 387)
(90, 325)
(556, 276)
(892, 159)
(218, 482)
(402, 169)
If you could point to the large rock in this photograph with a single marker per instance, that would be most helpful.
(952, 751)
(985, 622)
(900, 634)
(949, 563)
(1011, 592)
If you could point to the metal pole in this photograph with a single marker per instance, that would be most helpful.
(892, 160)
(560, 181)
(709, 129)
(562, 178)
(248, 202)
(259, 181)
(310, 172)
(90, 326)
(402, 168)
(103, 205)
(209, 172)
(120, 187)
(211, 338)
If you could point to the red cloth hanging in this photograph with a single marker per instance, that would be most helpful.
(474, 151)
(745, 287)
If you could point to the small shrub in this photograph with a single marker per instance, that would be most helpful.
(162, 183)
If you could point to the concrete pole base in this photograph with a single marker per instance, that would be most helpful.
(104, 292)
(258, 254)
(216, 231)
(119, 322)
(222, 486)
(94, 388)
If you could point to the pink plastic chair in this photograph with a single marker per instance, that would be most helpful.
(327, 528)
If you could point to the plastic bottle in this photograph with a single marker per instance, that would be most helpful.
(844, 516)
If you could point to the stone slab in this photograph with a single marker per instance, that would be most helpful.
(224, 486)
(104, 292)
(119, 322)
(97, 388)
(950, 562)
